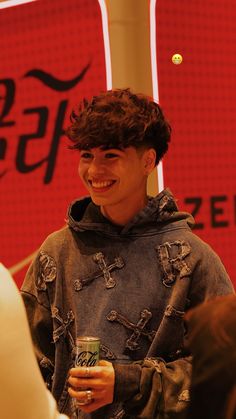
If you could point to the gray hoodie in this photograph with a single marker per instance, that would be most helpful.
(130, 286)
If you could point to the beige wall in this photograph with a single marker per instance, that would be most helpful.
(129, 34)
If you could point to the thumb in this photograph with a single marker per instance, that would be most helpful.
(104, 363)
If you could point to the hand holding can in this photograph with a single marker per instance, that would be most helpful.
(87, 355)
(91, 387)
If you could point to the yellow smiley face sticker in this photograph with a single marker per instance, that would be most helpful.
(177, 59)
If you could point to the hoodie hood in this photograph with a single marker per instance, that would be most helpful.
(84, 215)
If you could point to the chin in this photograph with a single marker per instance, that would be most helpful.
(101, 201)
(98, 201)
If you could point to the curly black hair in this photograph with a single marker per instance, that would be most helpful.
(119, 119)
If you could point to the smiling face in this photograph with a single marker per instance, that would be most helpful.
(116, 179)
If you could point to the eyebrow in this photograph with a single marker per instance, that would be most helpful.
(106, 147)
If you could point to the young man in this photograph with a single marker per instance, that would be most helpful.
(125, 269)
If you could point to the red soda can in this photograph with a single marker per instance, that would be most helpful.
(87, 351)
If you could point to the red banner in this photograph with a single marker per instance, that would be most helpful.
(52, 55)
(198, 96)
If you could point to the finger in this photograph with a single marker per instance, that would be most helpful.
(84, 372)
(89, 372)
(79, 383)
(104, 363)
(81, 395)
(82, 382)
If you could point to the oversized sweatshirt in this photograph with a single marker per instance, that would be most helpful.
(130, 286)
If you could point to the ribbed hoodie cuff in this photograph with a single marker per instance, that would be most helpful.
(127, 379)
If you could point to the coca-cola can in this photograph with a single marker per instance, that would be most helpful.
(87, 351)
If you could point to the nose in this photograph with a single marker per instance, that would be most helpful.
(96, 167)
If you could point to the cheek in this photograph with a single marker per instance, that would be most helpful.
(81, 170)
(81, 174)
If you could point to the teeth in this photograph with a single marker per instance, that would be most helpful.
(102, 184)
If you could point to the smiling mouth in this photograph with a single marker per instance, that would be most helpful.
(101, 185)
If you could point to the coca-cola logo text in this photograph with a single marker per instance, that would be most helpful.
(86, 359)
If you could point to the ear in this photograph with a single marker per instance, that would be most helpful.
(149, 159)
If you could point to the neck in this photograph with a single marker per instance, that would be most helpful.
(119, 215)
